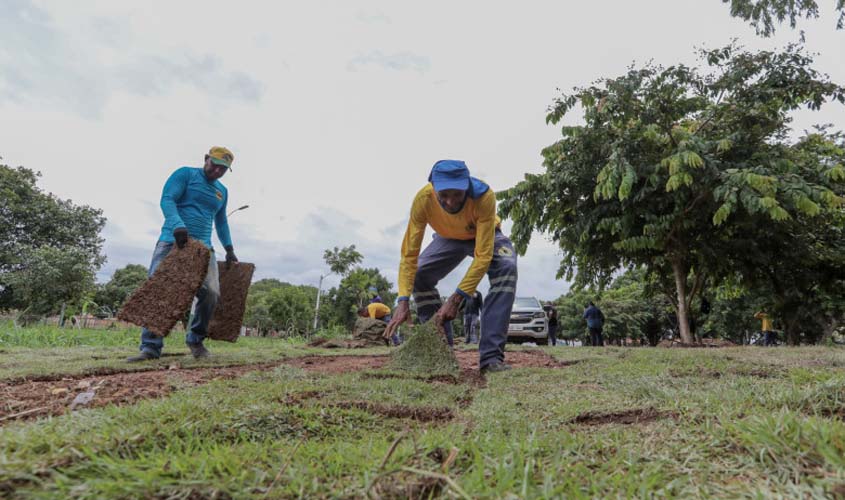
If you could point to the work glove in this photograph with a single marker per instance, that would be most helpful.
(180, 234)
(230, 256)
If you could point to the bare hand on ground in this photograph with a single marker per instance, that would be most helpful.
(400, 315)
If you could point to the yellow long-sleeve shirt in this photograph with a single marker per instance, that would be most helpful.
(377, 310)
(766, 322)
(477, 220)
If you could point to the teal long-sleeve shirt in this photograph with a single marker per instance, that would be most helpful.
(189, 200)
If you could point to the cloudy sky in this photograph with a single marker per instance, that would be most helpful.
(335, 110)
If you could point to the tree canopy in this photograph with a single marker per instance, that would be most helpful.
(45, 240)
(764, 14)
(673, 164)
(123, 282)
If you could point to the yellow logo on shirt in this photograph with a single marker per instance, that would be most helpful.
(505, 252)
(219, 195)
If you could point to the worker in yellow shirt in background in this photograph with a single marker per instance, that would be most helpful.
(766, 328)
(376, 310)
(462, 211)
(381, 312)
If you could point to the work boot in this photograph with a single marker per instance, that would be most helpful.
(142, 356)
(199, 351)
(495, 366)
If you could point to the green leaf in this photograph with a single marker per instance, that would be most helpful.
(627, 182)
(722, 214)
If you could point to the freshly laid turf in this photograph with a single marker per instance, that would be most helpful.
(424, 351)
(742, 422)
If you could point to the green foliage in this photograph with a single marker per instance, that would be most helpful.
(343, 301)
(279, 306)
(44, 234)
(124, 281)
(631, 308)
(674, 167)
(51, 276)
(763, 14)
(341, 260)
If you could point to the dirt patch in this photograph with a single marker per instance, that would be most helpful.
(703, 343)
(338, 343)
(33, 399)
(627, 417)
(36, 396)
(418, 413)
(229, 314)
(338, 364)
(163, 299)
(467, 360)
(757, 372)
(297, 398)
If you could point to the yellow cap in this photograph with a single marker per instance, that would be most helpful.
(221, 156)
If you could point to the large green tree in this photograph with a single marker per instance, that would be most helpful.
(51, 277)
(41, 232)
(671, 164)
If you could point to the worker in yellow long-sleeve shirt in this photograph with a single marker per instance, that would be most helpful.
(462, 211)
(375, 310)
(766, 328)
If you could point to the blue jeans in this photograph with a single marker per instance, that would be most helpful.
(596, 338)
(207, 298)
(442, 256)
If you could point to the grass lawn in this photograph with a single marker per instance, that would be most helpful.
(606, 422)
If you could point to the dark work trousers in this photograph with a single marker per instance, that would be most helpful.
(553, 334)
(443, 255)
(595, 337)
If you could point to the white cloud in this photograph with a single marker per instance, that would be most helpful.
(45, 64)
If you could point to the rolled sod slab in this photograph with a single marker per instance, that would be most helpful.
(425, 351)
(229, 314)
(161, 301)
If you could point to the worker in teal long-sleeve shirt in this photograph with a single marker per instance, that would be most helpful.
(193, 199)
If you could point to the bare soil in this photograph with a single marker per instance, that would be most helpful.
(468, 361)
(229, 314)
(164, 298)
(703, 343)
(32, 397)
(627, 417)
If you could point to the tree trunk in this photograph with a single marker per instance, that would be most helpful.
(681, 298)
(793, 335)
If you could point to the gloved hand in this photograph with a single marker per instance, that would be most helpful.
(230, 256)
(181, 236)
